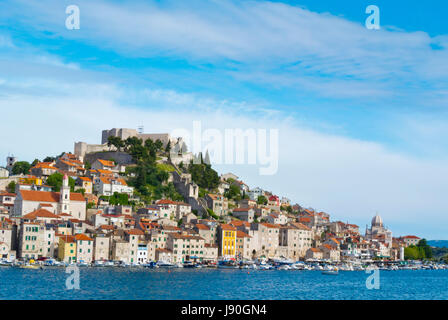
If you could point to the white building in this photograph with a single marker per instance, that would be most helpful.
(56, 202)
(255, 193)
(107, 186)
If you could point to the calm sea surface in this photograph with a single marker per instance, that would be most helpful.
(195, 284)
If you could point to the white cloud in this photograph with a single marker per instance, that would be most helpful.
(279, 39)
(350, 179)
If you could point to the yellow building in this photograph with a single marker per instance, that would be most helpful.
(67, 249)
(227, 240)
(86, 184)
(31, 180)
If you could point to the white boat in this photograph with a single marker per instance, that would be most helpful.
(83, 264)
(253, 267)
(330, 271)
(164, 264)
(265, 267)
(284, 267)
(5, 263)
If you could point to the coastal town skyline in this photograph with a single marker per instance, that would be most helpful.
(362, 227)
(131, 198)
(361, 112)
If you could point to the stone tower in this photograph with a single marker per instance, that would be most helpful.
(10, 161)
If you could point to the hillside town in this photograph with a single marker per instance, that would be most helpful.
(91, 207)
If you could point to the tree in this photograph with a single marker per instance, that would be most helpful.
(233, 193)
(90, 205)
(168, 147)
(11, 187)
(55, 181)
(21, 167)
(204, 175)
(36, 161)
(116, 142)
(159, 145)
(262, 200)
(411, 253)
(117, 199)
(425, 248)
(49, 159)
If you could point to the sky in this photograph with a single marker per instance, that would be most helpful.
(361, 113)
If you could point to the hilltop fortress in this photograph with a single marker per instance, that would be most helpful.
(82, 148)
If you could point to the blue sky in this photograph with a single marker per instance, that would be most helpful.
(310, 68)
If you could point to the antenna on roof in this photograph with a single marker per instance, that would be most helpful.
(141, 129)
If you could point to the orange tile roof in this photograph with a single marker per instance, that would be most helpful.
(269, 225)
(40, 213)
(165, 201)
(105, 172)
(67, 238)
(202, 227)
(238, 223)
(299, 225)
(45, 196)
(241, 234)
(135, 232)
(108, 180)
(80, 237)
(228, 227)
(107, 227)
(106, 163)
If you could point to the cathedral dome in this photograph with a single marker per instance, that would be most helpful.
(377, 221)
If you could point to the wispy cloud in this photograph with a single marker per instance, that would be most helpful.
(282, 41)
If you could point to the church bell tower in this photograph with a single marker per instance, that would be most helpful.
(64, 200)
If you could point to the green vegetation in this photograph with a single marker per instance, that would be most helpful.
(165, 167)
(117, 199)
(36, 161)
(233, 193)
(55, 181)
(21, 167)
(440, 253)
(262, 200)
(116, 142)
(90, 205)
(150, 178)
(204, 175)
(212, 214)
(11, 187)
(419, 252)
(49, 159)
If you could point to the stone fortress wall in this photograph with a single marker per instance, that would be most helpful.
(81, 149)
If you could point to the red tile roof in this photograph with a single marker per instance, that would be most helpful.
(45, 196)
(106, 163)
(135, 232)
(80, 237)
(40, 213)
